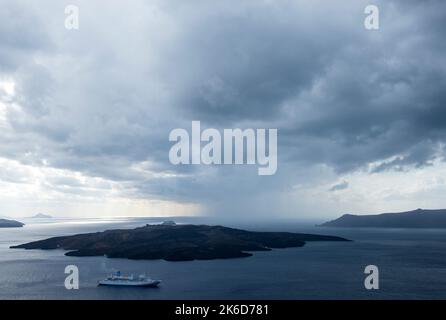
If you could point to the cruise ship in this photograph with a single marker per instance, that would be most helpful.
(116, 279)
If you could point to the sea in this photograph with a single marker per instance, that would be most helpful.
(411, 265)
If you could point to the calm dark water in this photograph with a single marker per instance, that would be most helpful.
(412, 265)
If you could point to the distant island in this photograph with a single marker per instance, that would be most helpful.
(41, 216)
(175, 242)
(419, 218)
(5, 223)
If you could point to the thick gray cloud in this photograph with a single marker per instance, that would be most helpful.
(102, 100)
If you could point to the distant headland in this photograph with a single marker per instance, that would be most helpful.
(5, 223)
(419, 218)
(41, 216)
(175, 242)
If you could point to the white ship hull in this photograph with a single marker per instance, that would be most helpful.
(128, 283)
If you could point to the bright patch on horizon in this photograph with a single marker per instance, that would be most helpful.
(368, 193)
(26, 189)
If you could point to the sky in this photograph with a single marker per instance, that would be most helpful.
(85, 114)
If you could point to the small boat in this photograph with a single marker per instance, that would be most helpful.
(116, 279)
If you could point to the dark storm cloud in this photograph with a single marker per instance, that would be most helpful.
(243, 64)
(103, 100)
(354, 95)
(420, 155)
(380, 99)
